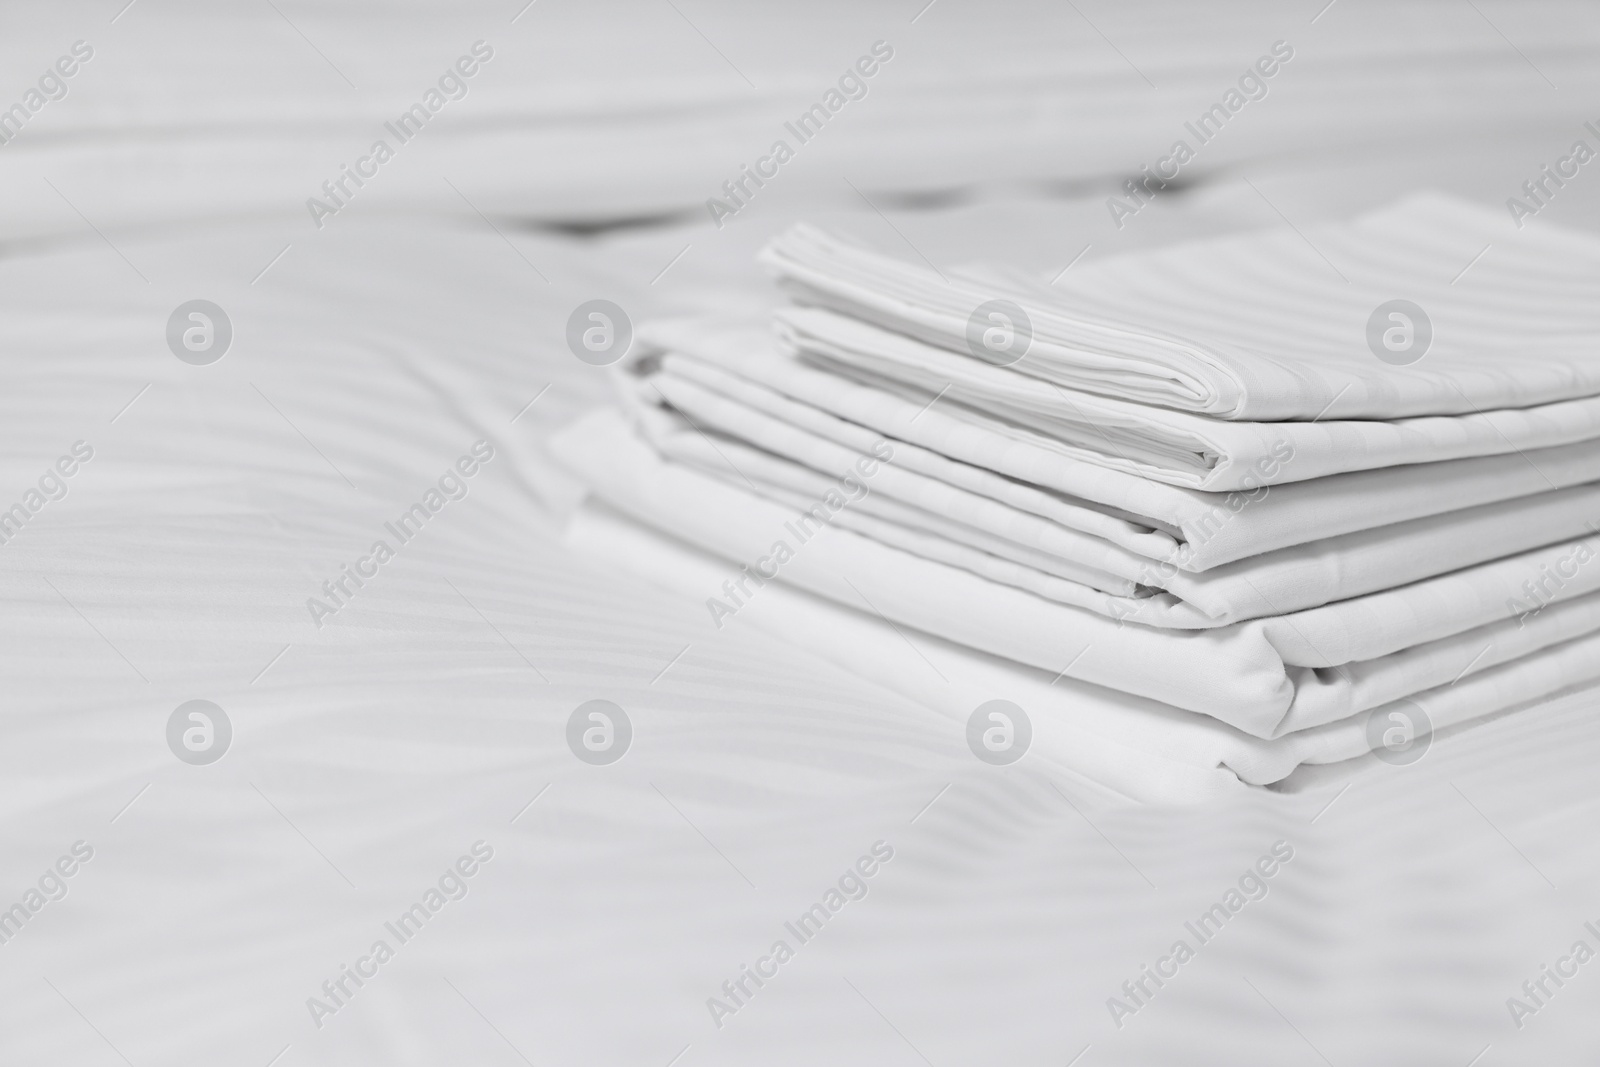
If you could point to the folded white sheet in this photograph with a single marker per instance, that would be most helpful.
(881, 516)
(1145, 749)
(1267, 676)
(945, 521)
(1132, 588)
(1194, 530)
(1176, 447)
(1269, 325)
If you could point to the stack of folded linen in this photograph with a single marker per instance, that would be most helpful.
(1284, 484)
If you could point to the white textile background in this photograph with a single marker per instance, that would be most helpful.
(428, 713)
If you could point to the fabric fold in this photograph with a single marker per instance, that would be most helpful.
(1148, 750)
(932, 510)
(1175, 447)
(1262, 326)
(1188, 488)
(1195, 530)
(1305, 668)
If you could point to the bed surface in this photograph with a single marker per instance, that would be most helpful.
(429, 713)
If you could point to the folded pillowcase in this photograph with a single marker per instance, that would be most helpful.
(1262, 326)
(1156, 443)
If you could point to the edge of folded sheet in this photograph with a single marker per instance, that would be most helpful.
(856, 643)
(1134, 774)
(875, 287)
(1255, 759)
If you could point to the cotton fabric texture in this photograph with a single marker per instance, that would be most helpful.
(1199, 487)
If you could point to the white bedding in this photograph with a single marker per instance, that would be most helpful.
(1175, 447)
(1267, 677)
(192, 111)
(427, 714)
(1195, 530)
(1139, 748)
(1260, 326)
(923, 493)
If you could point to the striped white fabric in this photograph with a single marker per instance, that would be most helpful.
(1140, 747)
(935, 514)
(1056, 517)
(1266, 326)
(1196, 529)
(1266, 677)
(1159, 444)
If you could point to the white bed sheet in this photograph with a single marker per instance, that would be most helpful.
(1268, 677)
(1262, 326)
(371, 753)
(929, 498)
(1196, 530)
